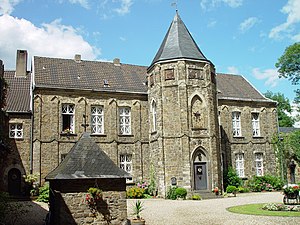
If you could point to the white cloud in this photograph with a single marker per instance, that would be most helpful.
(7, 6)
(124, 8)
(270, 75)
(212, 23)
(232, 70)
(83, 3)
(248, 24)
(53, 40)
(292, 9)
(207, 4)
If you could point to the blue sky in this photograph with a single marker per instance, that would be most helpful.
(239, 36)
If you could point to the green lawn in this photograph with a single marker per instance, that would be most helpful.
(256, 209)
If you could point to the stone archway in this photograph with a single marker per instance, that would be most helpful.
(200, 169)
(14, 181)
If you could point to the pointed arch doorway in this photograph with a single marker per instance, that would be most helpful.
(200, 170)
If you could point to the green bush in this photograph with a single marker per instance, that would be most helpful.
(44, 193)
(243, 189)
(196, 197)
(231, 189)
(231, 178)
(181, 192)
(171, 194)
(135, 192)
(265, 183)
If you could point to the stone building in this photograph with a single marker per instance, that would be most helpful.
(17, 127)
(177, 116)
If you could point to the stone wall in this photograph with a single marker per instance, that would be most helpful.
(19, 151)
(68, 202)
(247, 143)
(51, 144)
(186, 112)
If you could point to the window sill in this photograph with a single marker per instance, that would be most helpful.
(67, 134)
(17, 138)
(196, 128)
(153, 132)
(99, 135)
(126, 135)
(239, 137)
(257, 137)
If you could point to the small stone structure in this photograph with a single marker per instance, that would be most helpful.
(85, 166)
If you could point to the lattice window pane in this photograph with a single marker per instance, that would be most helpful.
(126, 163)
(16, 130)
(259, 164)
(97, 119)
(255, 124)
(236, 124)
(125, 120)
(68, 115)
(239, 162)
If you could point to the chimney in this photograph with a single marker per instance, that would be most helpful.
(21, 67)
(116, 62)
(77, 58)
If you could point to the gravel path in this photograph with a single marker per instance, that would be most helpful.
(212, 212)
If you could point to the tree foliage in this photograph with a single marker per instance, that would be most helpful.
(283, 108)
(289, 63)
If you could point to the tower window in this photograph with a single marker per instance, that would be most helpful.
(169, 74)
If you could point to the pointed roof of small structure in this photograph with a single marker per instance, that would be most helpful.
(86, 160)
(178, 43)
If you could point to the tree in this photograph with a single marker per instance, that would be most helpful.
(289, 67)
(289, 63)
(283, 108)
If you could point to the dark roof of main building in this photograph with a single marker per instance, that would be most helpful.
(236, 87)
(178, 43)
(18, 94)
(89, 75)
(86, 160)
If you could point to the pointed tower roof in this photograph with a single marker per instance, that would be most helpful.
(86, 160)
(178, 44)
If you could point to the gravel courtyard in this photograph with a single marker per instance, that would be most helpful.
(212, 212)
(187, 212)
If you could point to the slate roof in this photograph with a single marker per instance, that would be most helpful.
(178, 43)
(86, 160)
(236, 87)
(18, 94)
(287, 129)
(89, 75)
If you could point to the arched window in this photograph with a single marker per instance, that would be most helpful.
(154, 118)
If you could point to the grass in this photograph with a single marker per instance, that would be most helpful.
(256, 209)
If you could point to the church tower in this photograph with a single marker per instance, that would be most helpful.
(184, 130)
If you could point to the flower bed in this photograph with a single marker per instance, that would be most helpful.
(281, 207)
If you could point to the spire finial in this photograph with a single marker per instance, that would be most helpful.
(174, 4)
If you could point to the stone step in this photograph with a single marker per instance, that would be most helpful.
(206, 195)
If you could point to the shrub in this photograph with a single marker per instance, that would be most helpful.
(231, 178)
(44, 193)
(171, 194)
(231, 189)
(243, 189)
(265, 183)
(196, 197)
(181, 192)
(135, 192)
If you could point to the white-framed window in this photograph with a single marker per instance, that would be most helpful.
(255, 124)
(239, 164)
(16, 130)
(154, 118)
(125, 120)
(259, 164)
(236, 124)
(97, 120)
(68, 117)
